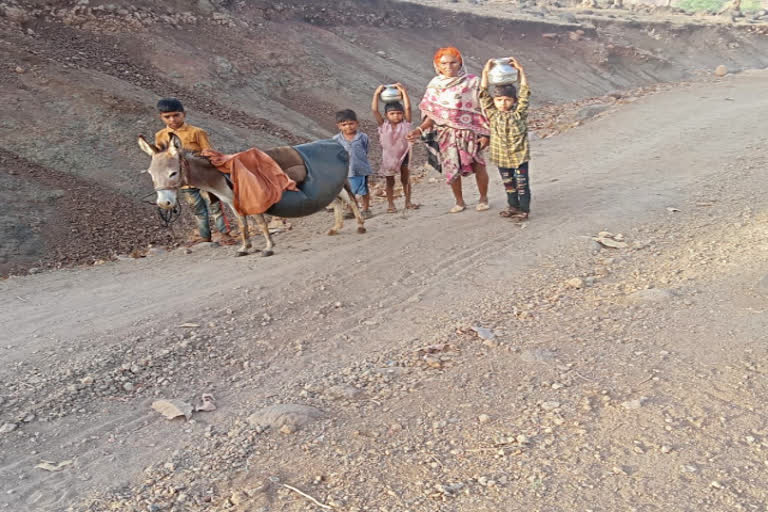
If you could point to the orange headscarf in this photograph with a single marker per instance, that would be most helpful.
(450, 50)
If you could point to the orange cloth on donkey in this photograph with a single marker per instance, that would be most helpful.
(258, 181)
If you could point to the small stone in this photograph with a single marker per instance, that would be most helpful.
(344, 392)
(537, 355)
(34, 270)
(7, 428)
(483, 333)
(238, 498)
(632, 404)
(128, 387)
(550, 406)
(86, 381)
(715, 484)
(278, 416)
(666, 449)
(449, 489)
(172, 408)
(721, 71)
(521, 439)
(610, 240)
(651, 295)
(19, 70)
(483, 418)
(575, 282)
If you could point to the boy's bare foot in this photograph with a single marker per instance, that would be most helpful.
(520, 217)
(366, 214)
(197, 239)
(392, 209)
(510, 211)
(412, 206)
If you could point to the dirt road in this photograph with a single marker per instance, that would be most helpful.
(85, 352)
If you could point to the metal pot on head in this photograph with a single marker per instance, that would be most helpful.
(502, 73)
(391, 94)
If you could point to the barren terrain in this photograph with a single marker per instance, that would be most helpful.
(617, 378)
(436, 363)
(81, 78)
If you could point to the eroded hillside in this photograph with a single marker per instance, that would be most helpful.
(82, 78)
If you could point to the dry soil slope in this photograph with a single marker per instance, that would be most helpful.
(83, 78)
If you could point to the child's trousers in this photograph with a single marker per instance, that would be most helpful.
(202, 206)
(516, 185)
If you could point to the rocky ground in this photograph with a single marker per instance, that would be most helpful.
(80, 78)
(607, 355)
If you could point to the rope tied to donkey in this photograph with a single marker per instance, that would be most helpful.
(168, 216)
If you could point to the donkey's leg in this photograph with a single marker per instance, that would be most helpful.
(346, 196)
(242, 221)
(262, 222)
(225, 194)
(338, 216)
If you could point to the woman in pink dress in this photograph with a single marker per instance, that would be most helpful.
(394, 127)
(453, 119)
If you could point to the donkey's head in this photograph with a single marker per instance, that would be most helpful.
(167, 169)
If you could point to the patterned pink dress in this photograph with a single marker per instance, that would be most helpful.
(453, 104)
(394, 147)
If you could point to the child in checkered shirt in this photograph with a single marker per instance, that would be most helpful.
(507, 113)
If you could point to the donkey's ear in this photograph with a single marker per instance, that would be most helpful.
(146, 147)
(174, 145)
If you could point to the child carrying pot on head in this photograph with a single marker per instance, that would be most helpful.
(395, 148)
(507, 113)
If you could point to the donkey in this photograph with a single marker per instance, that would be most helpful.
(172, 168)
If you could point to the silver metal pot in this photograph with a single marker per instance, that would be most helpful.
(502, 73)
(391, 94)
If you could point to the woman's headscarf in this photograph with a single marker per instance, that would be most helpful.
(441, 81)
(453, 101)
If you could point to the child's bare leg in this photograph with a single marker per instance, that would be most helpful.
(405, 179)
(391, 194)
(366, 202)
